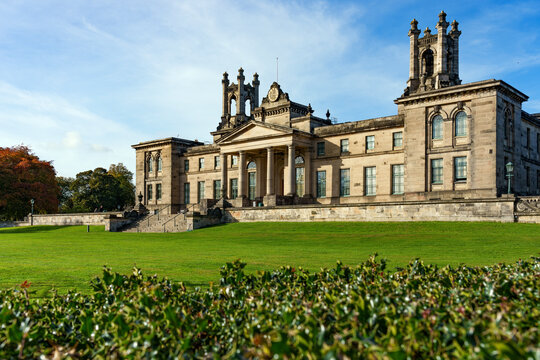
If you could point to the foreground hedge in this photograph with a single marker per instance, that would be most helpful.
(346, 312)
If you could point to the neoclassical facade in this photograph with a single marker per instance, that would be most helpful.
(448, 141)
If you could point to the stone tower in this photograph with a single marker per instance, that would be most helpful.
(240, 93)
(434, 58)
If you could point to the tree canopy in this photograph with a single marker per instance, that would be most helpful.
(24, 177)
(104, 190)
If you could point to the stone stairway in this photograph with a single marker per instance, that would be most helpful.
(159, 223)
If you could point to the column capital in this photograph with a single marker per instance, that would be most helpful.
(241, 152)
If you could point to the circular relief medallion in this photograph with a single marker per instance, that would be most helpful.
(273, 94)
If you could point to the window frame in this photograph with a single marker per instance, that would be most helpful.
(345, 182)
(437, 123)
(370, 181)
(461, 178)
(401, 183)
(321, 148)
(217, 189)
(344, 146)
(186, 165)
(149, 192)
(187, 193)
(217, 162)
(159, 191)
(437, 174)
(370, 142)
(200, 191)
(457, 121)
(201, 163)
(321, 184)
(234, 188)
(394, 138)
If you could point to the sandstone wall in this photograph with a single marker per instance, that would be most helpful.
(73, 219)
(499, 210)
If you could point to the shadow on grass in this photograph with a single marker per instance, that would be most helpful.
(30, 229)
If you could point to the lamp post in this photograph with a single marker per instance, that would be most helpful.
(32, 203)
(509, 174)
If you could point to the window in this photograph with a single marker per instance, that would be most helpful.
(149, 194)
(461, 124)
(217, 162)
(437, 127)
(299, 181)
(201, 163)
(344, 145)
(437, 171)
(345, 182)
(397, 139)
(538, 143)
(217, 189)
(186, 165)
(528, 138)
(158, 191)
(186, 193)
(527, 176)
(252, 165)
(299, 160)
(159, 164)
(320, 148)
(234, 160)
(538, 180)
(321, 184)
(370, 180)
(370, 142)
(397, 179)
(460, 168)
(150, 164)
(234, 188)
(200, 191)
(252, 182)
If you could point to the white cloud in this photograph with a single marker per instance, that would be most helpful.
(72, 140)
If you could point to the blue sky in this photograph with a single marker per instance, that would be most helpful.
(81, 81)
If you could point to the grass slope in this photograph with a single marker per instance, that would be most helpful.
(68, 257)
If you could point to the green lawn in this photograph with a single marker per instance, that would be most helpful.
(68, 257)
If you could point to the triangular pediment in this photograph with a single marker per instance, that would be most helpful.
(255, 130)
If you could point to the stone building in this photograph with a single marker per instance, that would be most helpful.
(448, 141)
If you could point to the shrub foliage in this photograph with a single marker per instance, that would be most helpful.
(421, 311)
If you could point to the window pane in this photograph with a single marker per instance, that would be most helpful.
(252, 165)
(397, 179)
(234, 188)
(321, 184)
(158, 191)
(149, 192)
(234, 160)
(186, 165)
(300, 181)
(201, 163)
(460, 168)
(345, 183)
(217, 189)
(437, 127)
(370, 142)
(200, 191)
(398, 139)
(370, 181)
(252, 185)
(217, 162)
(186, 193)
(299, 160)
(461, 124)
(437, 171)
(159, 164)
(150, 164)
(345, 145)
(320, 148)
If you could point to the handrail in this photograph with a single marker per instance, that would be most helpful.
(180, 213)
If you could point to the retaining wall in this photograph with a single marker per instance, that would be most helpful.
(73, 219)
(499, 210)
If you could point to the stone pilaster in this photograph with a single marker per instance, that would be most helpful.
(242, 174)
(270, 171)
(290, 181)
(224, 177)
(307, 173)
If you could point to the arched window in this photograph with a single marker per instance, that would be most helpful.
(252, 165)
(248, 107)
(427, 62)
(437, 127)
(159, 164)
(299, 160)
(461, 124)
(150, 164)
(232, 106)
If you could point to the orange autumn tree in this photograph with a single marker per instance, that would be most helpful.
(23, 177)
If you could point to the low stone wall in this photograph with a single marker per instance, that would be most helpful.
(6, 224)
(73, 219)
(499, 210)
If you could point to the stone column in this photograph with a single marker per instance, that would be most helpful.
(270, 171)
(290, 181)
(224, 178)
(242, 174)
(307, 172)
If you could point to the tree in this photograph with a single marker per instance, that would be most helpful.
(24, 177)
(103, 190)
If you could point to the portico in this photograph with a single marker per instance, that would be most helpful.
(272, 160)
